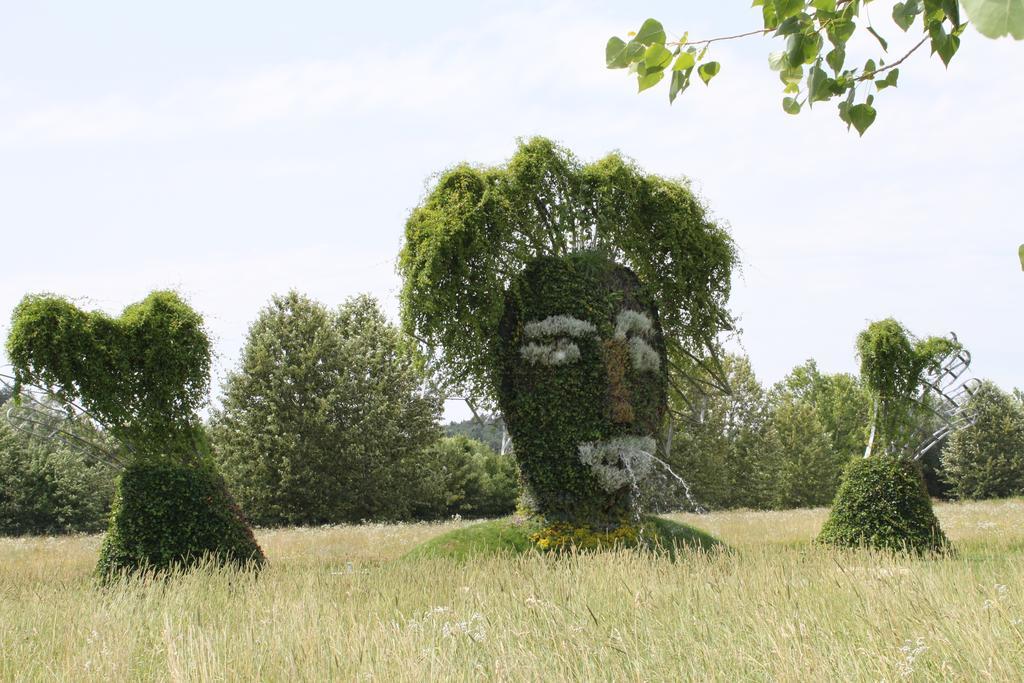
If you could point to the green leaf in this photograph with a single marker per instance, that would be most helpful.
(615, 53)
(862, 116)
(840, 30)
(790, 106)
(819, 85)
(684, 61)
(952, 10)
(825, 5)
(784, 9)
(881, 41)
(679, 83)
(889, 81)
(812, 47)
(792, 75)
(708, 70)
(836, 58)
(777, 61)
(1020, 252)
(903, 13)
(795, 49)
(645, 81)
(943, 43)
(789, 27)
(657, 57)
(651, 33)
(995, 18)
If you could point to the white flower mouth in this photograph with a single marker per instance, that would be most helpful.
(619, 461)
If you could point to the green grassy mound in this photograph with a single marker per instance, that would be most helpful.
(882, 503)
(515, 535)
(167, 515)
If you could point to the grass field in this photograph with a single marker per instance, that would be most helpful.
(340, 604)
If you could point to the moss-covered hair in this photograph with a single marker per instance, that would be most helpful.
(479, 227)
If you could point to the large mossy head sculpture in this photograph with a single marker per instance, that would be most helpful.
(583, 384)
(558, 291)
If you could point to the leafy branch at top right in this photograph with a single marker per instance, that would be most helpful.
(813, 65)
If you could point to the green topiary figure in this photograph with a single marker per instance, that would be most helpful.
(583, 385)
(143, 376)
(565, 293)
(882, 501)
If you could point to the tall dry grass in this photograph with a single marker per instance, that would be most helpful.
(338, 604)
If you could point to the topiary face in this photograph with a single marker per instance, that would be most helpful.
(582, 384)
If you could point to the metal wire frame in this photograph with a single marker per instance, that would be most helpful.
(39, 413)
(943, 398)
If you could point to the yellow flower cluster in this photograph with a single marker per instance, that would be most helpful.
(564, 536)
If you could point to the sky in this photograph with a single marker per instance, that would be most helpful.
(236, 150)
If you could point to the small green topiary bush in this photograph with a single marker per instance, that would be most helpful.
(882, 503)
(169, 515)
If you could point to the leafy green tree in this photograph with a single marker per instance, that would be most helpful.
(325, 416)
(813, 65)
(488, 430)
(840, 401)
(807, 467)
(47, 490)
(460, 476)
(986, 459)
(721, 454)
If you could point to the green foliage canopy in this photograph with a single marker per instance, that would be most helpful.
(813, 66)
(478, 227)
(144, 375)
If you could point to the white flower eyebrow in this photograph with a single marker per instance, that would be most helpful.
(556, 325)
(629, 320)
(561, 352)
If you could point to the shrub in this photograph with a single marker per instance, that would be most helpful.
(460, 476)
(167, 514)
(986, 459)
(47, 490)
(882, 503)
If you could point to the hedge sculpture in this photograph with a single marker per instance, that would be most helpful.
(882, 501)
(143, 376)
(570, 296)
(583, 385)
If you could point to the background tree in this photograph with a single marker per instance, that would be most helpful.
(460, 476)
(721, 454)
(46, 489)
(807, 468)
(840, 401)
(986, 459)
(325, 416)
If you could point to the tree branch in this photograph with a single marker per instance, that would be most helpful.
(872, 74)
